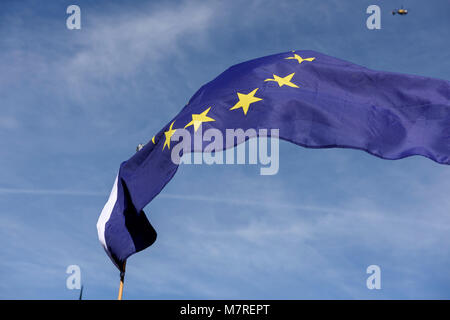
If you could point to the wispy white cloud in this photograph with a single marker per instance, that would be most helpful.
(185, 197)
(122, 44)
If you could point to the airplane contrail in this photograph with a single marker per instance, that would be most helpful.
(51, 192)
(251, 203)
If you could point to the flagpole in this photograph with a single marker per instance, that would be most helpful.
(122, 276)
(122, 273)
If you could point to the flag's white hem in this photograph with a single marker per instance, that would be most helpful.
(106, 214)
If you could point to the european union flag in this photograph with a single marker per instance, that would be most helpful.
(315, 101)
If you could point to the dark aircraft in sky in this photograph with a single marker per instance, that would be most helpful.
(400, 11)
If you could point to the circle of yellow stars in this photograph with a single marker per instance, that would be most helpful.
(244, 101)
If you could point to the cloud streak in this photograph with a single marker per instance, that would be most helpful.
(181, 197)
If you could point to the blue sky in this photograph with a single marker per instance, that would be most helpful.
(75, 103)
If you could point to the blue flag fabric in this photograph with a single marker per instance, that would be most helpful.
(315, 101)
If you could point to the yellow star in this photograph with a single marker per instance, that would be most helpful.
(245, 100)
(283, 81)
(153, 139)
(300, 59)
(169, 135)
(198, 119)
